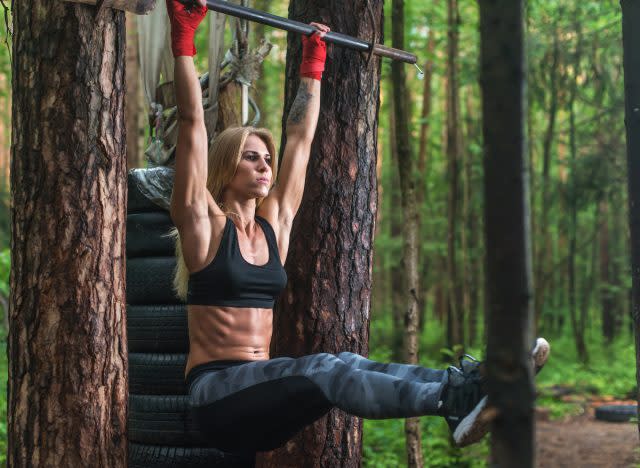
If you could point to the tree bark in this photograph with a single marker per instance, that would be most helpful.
(410, 233)
(631, 38)
(326, 305)
(507, 230)
(67, 350)
(577, 325)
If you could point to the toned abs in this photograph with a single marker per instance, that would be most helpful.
(228, 333)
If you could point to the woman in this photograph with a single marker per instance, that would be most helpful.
(234, 225)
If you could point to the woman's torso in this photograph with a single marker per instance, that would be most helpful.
(238, 326)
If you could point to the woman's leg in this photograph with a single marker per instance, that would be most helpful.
(372, 395)
(403, 371)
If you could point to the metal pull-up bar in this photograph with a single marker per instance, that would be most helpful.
(279, 22)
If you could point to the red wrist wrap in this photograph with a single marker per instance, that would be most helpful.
(314, 54)
(184, 22)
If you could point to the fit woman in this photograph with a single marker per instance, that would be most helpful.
(234, 223)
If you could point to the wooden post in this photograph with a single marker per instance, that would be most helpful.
(507, 231)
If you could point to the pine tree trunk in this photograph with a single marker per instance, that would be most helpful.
(395, 221)
(507, 228)
(410, 233)
(67, 351)
(631, 38)
(576, 324)
(326, 305)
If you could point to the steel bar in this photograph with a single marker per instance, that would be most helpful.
(286, 24)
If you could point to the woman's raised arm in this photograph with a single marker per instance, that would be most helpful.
(284, 200)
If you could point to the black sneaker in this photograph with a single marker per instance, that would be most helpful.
(464, 402)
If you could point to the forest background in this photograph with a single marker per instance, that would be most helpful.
(577, 192)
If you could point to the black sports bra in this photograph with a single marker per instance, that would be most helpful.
(230, 281)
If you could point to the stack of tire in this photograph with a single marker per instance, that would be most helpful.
(161, 430)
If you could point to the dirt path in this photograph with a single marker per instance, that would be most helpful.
(585, 442)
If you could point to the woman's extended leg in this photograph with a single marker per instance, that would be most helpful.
(372, 395)
(403, 371)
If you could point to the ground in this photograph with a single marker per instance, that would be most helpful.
(585, 442)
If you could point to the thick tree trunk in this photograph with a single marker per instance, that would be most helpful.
(509, 373)
(456, 318)
(411, 246)
(67, 350)
(327, 301)
(631, 39)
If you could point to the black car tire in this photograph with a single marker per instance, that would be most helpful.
(616, 413)
(163, 420)
(157, 328)
(150, 280)
(158, 456)
(157, 374)
(148, 235)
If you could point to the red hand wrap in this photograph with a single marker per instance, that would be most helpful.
(184, 22)
(314, 54)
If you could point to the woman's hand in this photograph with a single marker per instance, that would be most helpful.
(314, 52)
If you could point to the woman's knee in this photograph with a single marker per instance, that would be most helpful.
(348, 357)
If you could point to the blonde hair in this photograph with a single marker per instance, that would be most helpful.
(224, 156)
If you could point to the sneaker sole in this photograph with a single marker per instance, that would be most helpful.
(540, 354)
(474, 427)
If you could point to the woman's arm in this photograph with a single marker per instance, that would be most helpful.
(284, 200)
(191, 202)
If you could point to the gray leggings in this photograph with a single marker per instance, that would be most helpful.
(259, 405)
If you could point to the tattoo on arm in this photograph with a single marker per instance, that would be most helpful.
(300, 105)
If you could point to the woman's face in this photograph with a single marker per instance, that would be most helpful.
(253, 174)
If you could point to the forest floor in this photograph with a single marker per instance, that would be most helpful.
(585, 442)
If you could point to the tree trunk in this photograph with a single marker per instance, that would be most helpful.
(631, 38)
(606, 299)
(67, 350)
(424, 167)
(395, 221)
(133, 100)
(572, 195)
(410, 221)
(453, 156)
(471, 264)
(509, 373)
(326, 305)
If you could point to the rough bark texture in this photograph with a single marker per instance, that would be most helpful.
(509, 373)
(631, 39)
(327, 301)
(410, 232)
(67, 351)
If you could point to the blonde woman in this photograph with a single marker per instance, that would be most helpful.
(234, 222)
